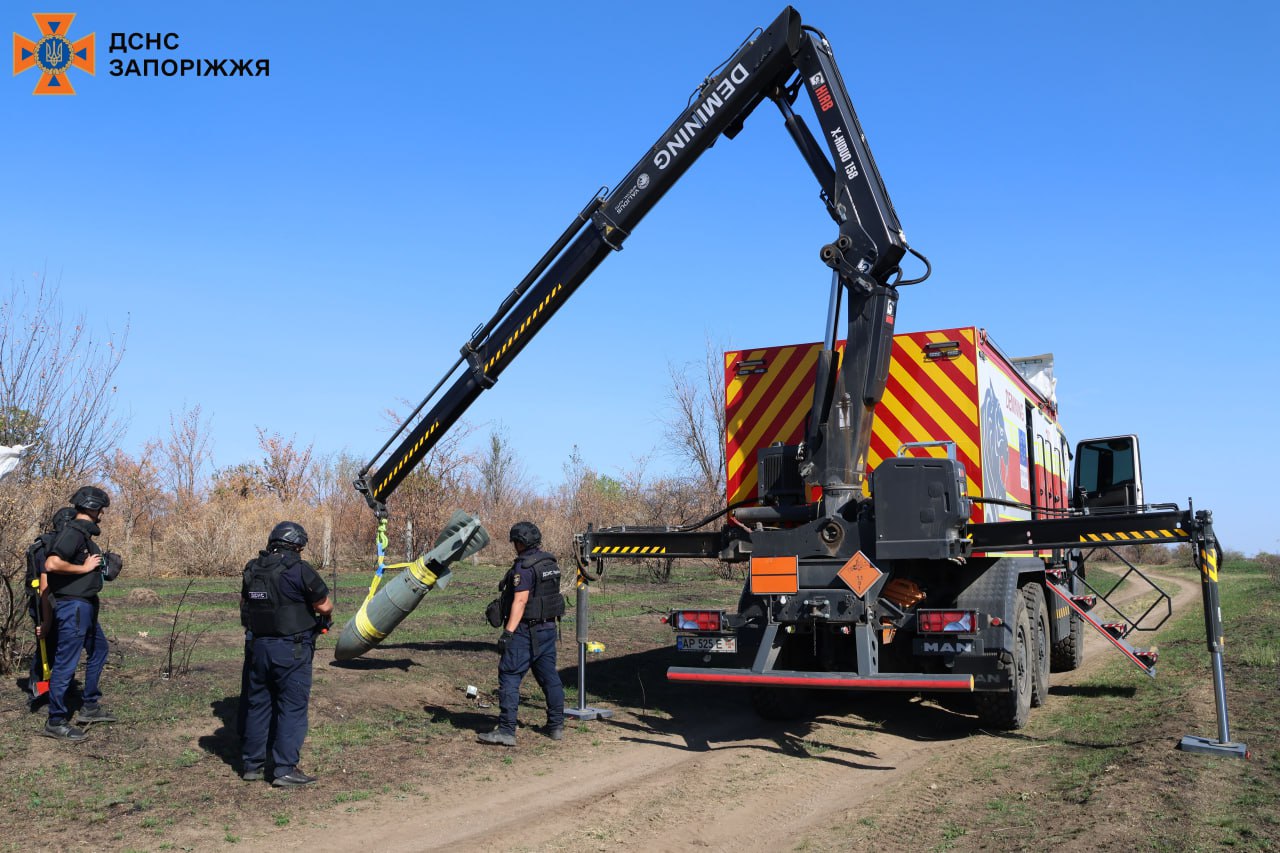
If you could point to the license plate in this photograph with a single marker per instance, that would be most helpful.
(706, 644)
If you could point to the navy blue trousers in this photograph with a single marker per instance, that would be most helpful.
(277, 689)
(78, 631)
(521, 656)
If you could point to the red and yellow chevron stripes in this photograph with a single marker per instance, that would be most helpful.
(766, 404)
(768, 393)
(931, 400)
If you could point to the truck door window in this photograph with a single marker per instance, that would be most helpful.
(1105, 470)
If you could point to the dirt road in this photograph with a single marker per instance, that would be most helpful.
(711, 776)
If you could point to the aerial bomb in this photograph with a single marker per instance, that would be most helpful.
(386, 608)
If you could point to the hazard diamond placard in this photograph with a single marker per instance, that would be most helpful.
(859, 574)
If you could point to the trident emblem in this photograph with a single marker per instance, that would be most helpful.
(53, 54)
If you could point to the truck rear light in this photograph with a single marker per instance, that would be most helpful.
(696, 620)
(946, 621)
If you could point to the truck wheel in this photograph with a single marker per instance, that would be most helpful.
(1068, 653)
(1008, 709)
(1038, 612)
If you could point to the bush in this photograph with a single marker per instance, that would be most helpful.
(1140, 554)
(1271, 563)
(218, 537)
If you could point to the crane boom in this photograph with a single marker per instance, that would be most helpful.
(774, 65)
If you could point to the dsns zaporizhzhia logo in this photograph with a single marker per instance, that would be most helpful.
(54, 54)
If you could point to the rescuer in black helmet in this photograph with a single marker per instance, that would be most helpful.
(73, 579)
(283, 605)
(90, 498)
(531, 604)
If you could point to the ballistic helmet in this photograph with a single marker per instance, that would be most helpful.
(91, 498)
(60, 518)
(526, 534)
(288, 534)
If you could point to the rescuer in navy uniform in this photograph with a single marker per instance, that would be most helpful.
(283, 605)
(531, 604)
(74, 572)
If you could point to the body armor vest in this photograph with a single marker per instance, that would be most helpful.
(264, 609)
(545, 601)
(87, 585)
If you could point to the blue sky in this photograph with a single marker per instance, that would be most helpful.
(302, 251)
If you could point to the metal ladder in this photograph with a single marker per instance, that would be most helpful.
(1117, 625)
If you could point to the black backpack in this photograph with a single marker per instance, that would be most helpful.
(37, 553)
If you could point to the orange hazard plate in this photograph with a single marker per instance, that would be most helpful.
(775, 575)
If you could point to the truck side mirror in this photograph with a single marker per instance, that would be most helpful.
(1108, 473)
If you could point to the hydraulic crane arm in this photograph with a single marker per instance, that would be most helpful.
(775, 64)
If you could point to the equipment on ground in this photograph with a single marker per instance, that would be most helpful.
(385, 607)
(943, 551)
(582, 621)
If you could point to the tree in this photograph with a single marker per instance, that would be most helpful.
(187, 453)
(351, 523)
(286, 469)
(242, 480)
(56, 386)
(695, 423)
(56, 393)
(502, 477)
(139, 499)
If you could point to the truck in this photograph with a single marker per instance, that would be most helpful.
(991, 623)
(902, 575)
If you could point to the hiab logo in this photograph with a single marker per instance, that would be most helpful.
(54, 54)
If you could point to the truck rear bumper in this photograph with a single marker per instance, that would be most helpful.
(823, 680)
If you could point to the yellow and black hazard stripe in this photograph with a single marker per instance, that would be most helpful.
(520, 330)
(1131, 536)
(1209, 563)
(628, 550)
(406, 458)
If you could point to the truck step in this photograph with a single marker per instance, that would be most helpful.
(1056, 575)
(1115, 630)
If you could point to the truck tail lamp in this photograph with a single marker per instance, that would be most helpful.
(946, 621)
(695, 620)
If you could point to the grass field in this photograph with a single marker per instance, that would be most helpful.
(1096, 767)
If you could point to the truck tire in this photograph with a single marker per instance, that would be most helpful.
(1038, 613)
(1068, 653)
(1008, 709)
